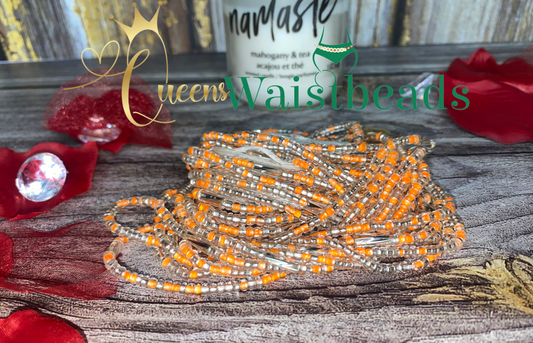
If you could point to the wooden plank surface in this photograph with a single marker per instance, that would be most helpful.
(372, 22)
(189, 68)
(203, 27)
(483, 293)
(457, 21)
(62, 29)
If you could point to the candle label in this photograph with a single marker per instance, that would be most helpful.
(276, 39)
(250, 23)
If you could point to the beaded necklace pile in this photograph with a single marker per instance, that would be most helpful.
(262, 205)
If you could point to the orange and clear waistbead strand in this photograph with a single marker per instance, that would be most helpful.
(334, 199)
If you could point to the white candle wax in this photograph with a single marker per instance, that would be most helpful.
(276, 39)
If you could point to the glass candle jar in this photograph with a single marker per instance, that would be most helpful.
(277, 39)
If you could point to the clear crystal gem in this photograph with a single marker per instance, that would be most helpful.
(420, 84)
(98, 130)
(41, 177)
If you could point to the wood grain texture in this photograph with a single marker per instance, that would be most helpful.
(188, 68)
(176, 15)
(483, 293)
(62, 29)
(202, 25)
(207, 24)
(373, 22)
(456, 21)
(217, 22)
(100, 29)
(32, 30)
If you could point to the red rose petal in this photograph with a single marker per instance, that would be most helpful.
(30, 326)
(6, 255)
(70, 109)
(500, 96)
(66, 262)
(482, 66)
(79, 162)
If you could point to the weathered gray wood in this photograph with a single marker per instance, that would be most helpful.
(456, 21)
(211, 67)
(217, 22)
(483, 293)
(177, 23)
(373, 22)
(201, 13)
(59, 29)
(32, 30)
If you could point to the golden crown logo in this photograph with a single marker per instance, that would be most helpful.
(140, 24)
